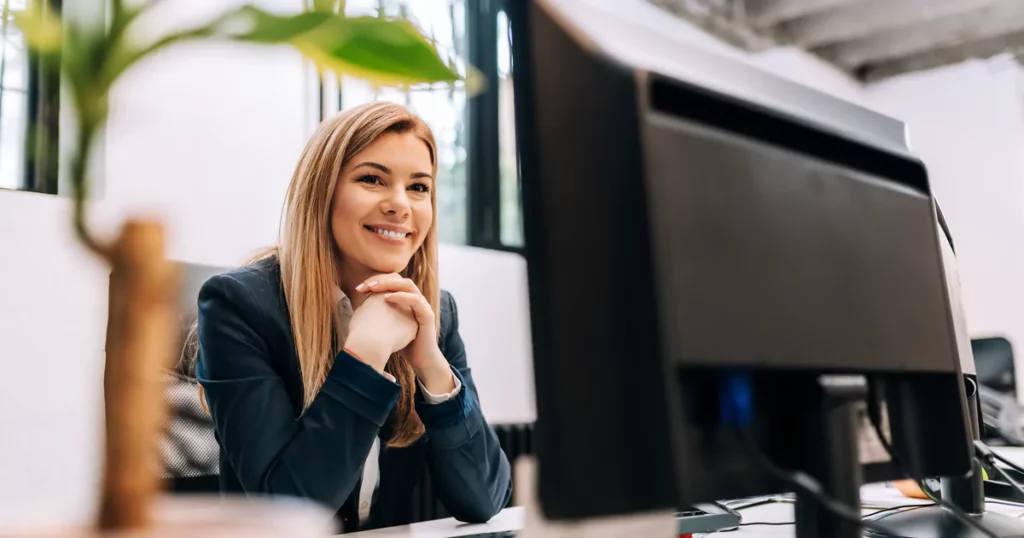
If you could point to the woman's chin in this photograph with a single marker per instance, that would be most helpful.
(390, 266)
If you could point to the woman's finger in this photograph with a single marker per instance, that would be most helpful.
(420, 307)
(391, 282)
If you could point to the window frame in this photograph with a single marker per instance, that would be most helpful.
(41, 152)
(483, 127)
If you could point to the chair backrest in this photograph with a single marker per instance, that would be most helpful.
(993, 361)
(188, 449)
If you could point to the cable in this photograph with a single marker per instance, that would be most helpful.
(1002, 472)
(986, 455)
(1004, 503)
(750, 502)
(874, 413)
(736, 399)
(997, 456)
(903, 507)
(807, 485)
(767, 524)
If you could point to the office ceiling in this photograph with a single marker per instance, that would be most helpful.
(870, 39)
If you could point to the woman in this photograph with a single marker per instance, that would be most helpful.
(333, 368)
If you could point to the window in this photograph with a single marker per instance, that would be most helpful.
(494, 210)
(29, 109)
(13, 106)
(510, 195)
(478, 178)
(443, 108)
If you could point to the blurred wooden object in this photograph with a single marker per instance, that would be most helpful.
(536, 525)
(140, 343)
(207, 516)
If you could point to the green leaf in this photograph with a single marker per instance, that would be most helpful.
(385, 52)
(330, 6)
(261, 27)
(42, 28)
(382, 51)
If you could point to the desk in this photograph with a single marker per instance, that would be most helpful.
(870, 494)
(511, 519)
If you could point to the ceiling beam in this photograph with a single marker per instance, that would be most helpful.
(982, 25)
(722, 18)
(950, 54)
(764, 13)
(864, 19)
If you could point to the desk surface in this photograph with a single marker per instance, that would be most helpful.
(874, 496)
(509, 519)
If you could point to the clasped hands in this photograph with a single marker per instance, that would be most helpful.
(396, 318)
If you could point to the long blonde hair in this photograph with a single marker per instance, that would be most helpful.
(308, 254)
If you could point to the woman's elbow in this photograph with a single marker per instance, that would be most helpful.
(322, 493)
(486, 508)
(473, 516)
(478, 513)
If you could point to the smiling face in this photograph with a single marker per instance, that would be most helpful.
(382, 208)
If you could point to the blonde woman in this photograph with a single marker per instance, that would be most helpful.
(333, 367)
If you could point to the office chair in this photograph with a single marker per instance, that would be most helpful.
(188, 449)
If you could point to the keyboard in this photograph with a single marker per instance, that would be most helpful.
(706, 517)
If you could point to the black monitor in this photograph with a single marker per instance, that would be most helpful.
(694, 225)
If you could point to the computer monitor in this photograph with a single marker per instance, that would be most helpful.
(690, 219)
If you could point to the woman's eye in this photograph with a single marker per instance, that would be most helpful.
(371, 179)
(420, 187)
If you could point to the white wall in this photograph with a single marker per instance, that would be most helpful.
(206, 136)
(52, 317)
(967, 123)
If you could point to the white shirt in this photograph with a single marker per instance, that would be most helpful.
(371, 467)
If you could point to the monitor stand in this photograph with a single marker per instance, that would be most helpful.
(968, 494)
(938, 522)
(829, 430)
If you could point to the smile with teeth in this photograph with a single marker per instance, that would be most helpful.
(388, 233)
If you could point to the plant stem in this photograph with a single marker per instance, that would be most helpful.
(93, 114)
(117, 9)
(79, 188)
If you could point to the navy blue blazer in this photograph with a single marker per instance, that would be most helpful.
(249, 370)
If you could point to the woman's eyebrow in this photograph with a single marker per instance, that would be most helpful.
(378, 166)
(386, 170)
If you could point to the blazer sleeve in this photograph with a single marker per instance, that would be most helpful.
(318, 455)
(468, 468)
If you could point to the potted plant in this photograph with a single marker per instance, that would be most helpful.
(141, 318)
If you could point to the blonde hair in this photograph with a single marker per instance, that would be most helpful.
(309, 256)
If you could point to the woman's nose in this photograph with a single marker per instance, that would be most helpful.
(396, 203)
